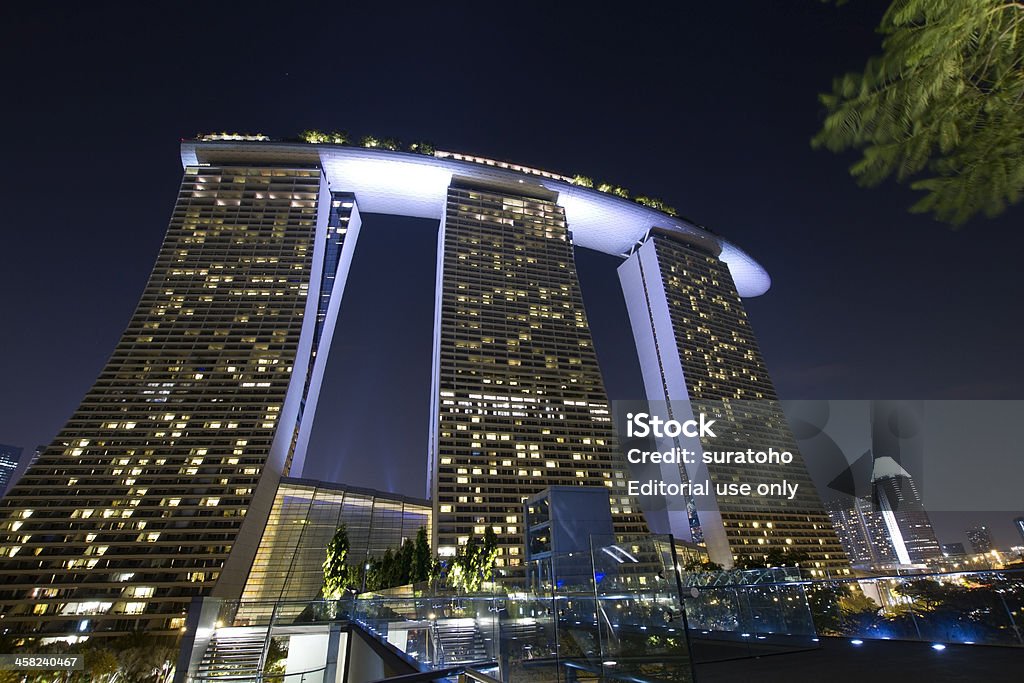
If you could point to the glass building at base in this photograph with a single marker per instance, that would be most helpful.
(288, 567)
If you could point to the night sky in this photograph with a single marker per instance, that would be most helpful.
(709, 106)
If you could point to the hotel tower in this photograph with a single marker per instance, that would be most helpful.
(160, 485)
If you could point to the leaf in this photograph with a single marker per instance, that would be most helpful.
(941, 108)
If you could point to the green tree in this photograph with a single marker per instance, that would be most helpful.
(336, 137)
(404, 557)
(841, 609)
(782, 557)
(100, 663)
(473, 564)
(137, 657)
(775, 557)
(144, 658)
(391, 569)
(338, 574)
(314, 136)
(655, 203)
(422, 561)
(698, 565)
(422, 147)
(942, 107)
(411, 563)
(388, 573)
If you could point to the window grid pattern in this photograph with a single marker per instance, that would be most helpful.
(521, 401)
(862, 531)
(727, 379)
(133, 509)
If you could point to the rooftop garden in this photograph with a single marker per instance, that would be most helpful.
(317, 137)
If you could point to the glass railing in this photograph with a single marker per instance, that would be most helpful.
(620, 618)
(622, 611)
(748, 620)
(965, 607)
(537, 637)
(614, 612)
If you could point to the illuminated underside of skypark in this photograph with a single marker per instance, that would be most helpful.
(405, 184)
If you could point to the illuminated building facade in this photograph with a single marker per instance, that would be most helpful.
(699, 355)
(10, 458)
(161, 485)
(520, 403)
(980, 539)
(135, 507)
(897, 458)
(862, 532)
(898, 502)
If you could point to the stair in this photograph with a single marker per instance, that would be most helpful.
(234, 654)
(461, 641)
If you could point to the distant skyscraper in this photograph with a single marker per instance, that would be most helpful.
(851, 531)
(10, 456)
(699, 354)
(953, 550)
(980, 539)
(1018, 524)
(895, 494)
(862, 532)
(908, 525)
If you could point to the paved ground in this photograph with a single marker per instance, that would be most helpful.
(876, 661)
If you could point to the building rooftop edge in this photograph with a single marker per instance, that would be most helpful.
(598, 220)
(333, 486)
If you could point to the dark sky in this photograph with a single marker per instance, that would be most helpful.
(707, 105)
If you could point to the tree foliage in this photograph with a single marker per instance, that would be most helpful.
(841, 609)
(410, 563)
(775, 557)
(424, 566)
(429, 149)
(942, 107)
(144, 658)
(137, 657)
(473, 564)
(338, 574)
(335, 137)
(698, 565)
